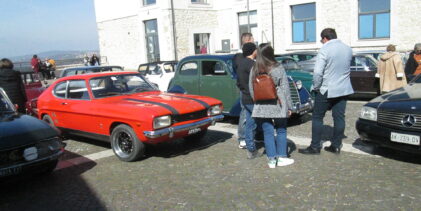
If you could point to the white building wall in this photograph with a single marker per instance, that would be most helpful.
(220, 18)
(119, 41)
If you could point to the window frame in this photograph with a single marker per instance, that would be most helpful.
(145, 3)
(199, 2)
(156, 55)
(252, 25)
(305, 20)
(373, 14)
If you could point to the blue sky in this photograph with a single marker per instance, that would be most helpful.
(34, 26)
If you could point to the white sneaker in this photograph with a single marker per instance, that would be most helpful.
(285, 161)
(242, 145)
(272, 163)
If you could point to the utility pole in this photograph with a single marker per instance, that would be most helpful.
(248, 17)
(174, 35)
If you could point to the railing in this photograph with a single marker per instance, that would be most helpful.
(60, 64)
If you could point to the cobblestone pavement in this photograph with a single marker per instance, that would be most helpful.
(214, 174)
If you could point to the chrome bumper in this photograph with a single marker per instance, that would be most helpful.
(171, 130)
(303, 108)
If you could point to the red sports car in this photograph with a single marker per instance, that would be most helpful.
(125, 109)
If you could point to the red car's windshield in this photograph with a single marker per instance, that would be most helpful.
(119, 84)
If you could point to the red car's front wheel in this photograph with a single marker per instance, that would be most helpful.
(125, 144)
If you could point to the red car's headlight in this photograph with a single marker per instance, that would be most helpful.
(215, 110)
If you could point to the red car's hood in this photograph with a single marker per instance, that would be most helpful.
(164, 103)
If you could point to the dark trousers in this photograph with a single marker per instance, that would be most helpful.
(321, 105)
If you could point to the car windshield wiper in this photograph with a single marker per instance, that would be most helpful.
(139, 89)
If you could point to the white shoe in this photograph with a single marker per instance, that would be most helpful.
(272, 163)
(242, 145)
(285, 161)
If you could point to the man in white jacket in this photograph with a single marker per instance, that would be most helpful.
(332, 85)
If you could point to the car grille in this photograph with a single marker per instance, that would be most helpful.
(15, 156)
(295, 96)
(394, 120)
(190, 116)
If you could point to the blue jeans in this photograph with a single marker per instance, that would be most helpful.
(250, 128)
(241, 123)
(321, 105)
(275, 146)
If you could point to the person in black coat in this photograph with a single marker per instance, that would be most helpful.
(11, 82)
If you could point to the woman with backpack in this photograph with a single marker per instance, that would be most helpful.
(271, 114)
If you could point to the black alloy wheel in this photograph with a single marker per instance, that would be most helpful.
(125, 144)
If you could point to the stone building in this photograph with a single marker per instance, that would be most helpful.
(132, 32)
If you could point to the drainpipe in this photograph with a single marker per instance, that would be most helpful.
(248, 16)
(273, 27)
(173, 31)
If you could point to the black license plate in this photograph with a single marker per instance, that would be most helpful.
(10, 171)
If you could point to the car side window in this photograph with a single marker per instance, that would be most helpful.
(142, 68)
(168, 68)
(78, 90)
(359, 63)
(213, 68)
(69, 73)
(60, 90)
(189, 68)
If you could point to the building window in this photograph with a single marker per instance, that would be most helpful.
(152, 42)
(246, 26)
(374, 19)
(201, 43)
(304, 22)
(148, 2)
(199, 1)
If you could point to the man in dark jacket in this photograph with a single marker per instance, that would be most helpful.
(413, 65)
(245, 38)
(11, 82)
(243, 72)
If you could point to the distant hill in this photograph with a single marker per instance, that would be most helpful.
(56, 55)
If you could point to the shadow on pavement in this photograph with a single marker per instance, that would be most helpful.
(386, 152)
(182, 147)
(62, 189)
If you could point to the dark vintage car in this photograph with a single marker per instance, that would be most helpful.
(33, 89)
(89, 69)
(293, 69)
(125, 109)
(363, 71)
(27, 145)
(215, 76)
(394, 119)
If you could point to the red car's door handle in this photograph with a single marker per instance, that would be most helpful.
(64, 103)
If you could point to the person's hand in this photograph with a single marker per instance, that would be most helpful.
(289, 113)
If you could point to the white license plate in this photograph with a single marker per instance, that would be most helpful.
(404, 138)
(193, 131)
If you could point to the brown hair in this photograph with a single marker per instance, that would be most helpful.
(245, 37)
(265, 60)
(6, 64)
(390, 48)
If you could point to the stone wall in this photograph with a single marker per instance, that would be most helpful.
(119, 41)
